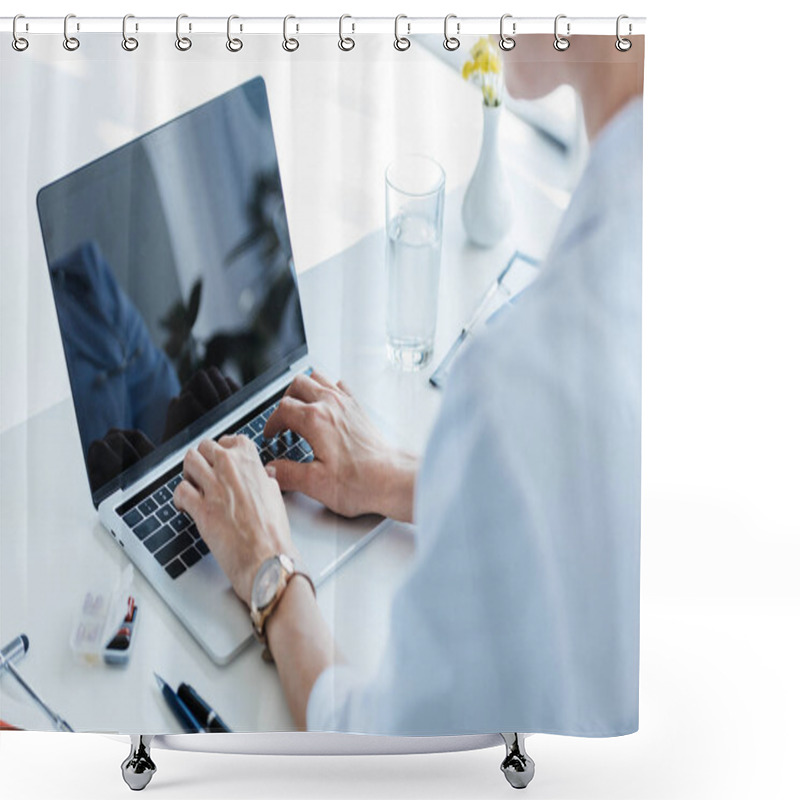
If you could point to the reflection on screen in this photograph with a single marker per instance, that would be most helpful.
(173, 279)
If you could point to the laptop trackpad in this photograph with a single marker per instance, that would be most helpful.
(323, 537)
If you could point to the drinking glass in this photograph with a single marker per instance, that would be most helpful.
(414, 213)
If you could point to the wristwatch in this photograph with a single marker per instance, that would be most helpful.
(270, 583)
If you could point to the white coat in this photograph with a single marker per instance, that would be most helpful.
(522, 610)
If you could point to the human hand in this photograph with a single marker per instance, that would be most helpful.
(237, 507)
(354, 470)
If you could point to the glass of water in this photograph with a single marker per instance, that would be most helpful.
(414, 213)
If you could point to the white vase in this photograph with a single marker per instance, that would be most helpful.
(486, 210)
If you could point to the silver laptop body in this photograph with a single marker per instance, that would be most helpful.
(176, 244)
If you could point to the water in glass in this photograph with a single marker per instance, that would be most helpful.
(413, 255)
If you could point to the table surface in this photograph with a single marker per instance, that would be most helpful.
(53, 548)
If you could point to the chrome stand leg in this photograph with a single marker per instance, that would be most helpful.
(517, 766)
(138, 768)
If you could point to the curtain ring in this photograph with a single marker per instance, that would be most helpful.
(290, 44)
(233, 44)
(19, 43)
(401, 43)
(345, 42)
(451, 42)
(71, 43)
(183, 43)
(560, 43)
(623, 45)
(129, 43)
(507, 42)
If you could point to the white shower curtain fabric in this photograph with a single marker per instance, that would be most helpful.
(511, 603)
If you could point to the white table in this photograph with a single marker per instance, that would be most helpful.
(53, 549)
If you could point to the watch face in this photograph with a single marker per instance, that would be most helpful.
(267, 585)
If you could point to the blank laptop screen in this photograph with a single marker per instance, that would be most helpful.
(173, 279)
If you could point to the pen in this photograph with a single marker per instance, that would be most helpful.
(178, 707)
(202, 711)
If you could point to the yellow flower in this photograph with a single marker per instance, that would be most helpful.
(486, 56)
(485, 69)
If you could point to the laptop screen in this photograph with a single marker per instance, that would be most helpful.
(173, 280)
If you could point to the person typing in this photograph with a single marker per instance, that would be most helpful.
(522, 608)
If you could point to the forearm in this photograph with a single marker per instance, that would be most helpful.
(301, 645)
(396, 487)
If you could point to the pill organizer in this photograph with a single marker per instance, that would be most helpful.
(106, 623)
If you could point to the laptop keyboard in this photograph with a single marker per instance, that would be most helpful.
(171, 535)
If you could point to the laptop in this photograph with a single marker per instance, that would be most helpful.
(179, 312)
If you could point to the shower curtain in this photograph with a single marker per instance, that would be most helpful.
(337, 336)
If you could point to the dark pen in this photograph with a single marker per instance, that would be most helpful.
(203, 712)
(178, 707)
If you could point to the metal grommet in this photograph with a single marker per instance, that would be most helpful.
(560, 43)
(19, 43)
(451, 42)
(401, 43)
(71, 43)
(346, 43)
(507, 42)
(233, 44)
(290, 44)
(129, 43)
(623, 45)
(183, 43)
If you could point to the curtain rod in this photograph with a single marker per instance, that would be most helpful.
(458, 26)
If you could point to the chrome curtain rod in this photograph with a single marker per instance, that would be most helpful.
(246, 26)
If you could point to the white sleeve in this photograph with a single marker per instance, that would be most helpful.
(328, 699)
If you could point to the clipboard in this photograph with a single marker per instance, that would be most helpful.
(520, 271)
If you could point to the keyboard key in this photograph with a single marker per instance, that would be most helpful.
(265, 456)
(133, 517)
(193, 532)
(159, 538)
(259, 441)
(144, 529)
(307, 458)
(147, 506)
(276, 448)
(175, 568)
(305, 446)
(180, 522)
(174, 548)
(166, 513)
(174, 482)
(202, 547)
(163, 495)
(190, 557)
(295, 454)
